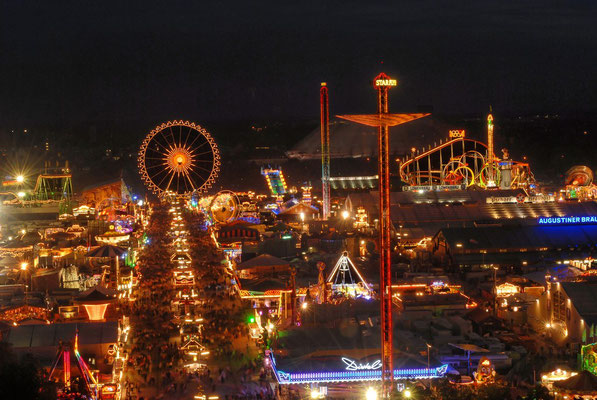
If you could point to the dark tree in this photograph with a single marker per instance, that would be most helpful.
(24, 378)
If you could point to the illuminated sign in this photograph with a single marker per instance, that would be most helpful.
(351, 365)
(457, 133)
(521, 198)
(429, 188)
(289, 378)
(590, 219)
(386, 82)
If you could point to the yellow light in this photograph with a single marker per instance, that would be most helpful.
(95, 311)
(314, 393)
(407, 394)
(21, 194)
(304, 305)
(386, 82)
(345, 214)
(20, 178)
(24, 266)
(371, 394)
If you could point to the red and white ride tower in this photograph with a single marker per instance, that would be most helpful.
(325, 148)
(383, 120)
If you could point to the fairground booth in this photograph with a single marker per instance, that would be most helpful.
(342, 358)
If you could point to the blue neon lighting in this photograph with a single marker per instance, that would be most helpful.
(352, 376)
(572, 220)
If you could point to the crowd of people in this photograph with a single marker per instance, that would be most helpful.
(156, 362)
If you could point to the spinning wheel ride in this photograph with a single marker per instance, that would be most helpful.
(225, 207)
(178, 158)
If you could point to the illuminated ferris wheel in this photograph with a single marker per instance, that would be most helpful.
(178, 158)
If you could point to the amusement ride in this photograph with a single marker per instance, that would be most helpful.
(461, 162)
(178, 158)
(224, 207)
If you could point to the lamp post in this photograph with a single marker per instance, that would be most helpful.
(24, 267)
(428, 357)
(495, 291)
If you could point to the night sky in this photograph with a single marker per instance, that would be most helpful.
(146, 60)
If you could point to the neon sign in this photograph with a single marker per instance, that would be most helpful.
(288, 378)
(386, 82)
(590, 219)
(457, 133)
(351, 365)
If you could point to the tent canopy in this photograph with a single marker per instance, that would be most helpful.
(106, 251)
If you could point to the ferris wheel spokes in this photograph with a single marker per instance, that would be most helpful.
(173, 161)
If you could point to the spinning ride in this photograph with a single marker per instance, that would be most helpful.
(178, 158)
(580, 183)
(224, 207)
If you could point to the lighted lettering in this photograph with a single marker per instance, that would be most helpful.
(457, 133)
(385, 82)
(592, 219)
(351, 365)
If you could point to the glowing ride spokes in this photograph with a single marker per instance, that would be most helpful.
(178, 158)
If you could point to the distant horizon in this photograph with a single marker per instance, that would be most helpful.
(588, 115)
(237, 60)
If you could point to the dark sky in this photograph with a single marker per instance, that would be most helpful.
(146, 60)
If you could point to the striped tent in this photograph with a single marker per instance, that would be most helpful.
(106, 251)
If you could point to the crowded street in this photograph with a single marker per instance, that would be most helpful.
(187, 335)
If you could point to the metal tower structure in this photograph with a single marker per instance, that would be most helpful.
(325, 148)
(383, 120)
(64, 352)
(490, 154)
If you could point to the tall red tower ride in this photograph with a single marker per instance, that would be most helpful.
(325, 148)
(383, 120)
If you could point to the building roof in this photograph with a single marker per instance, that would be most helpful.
(444, 299)
(106, 182)
(442, 208)
(263, 260)
(519, 237)
(353, 140)
(238, 230)
(263, 284)
(45, 335)
(582, 383)
(97, 294)
(300, 208)
(583, 296)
